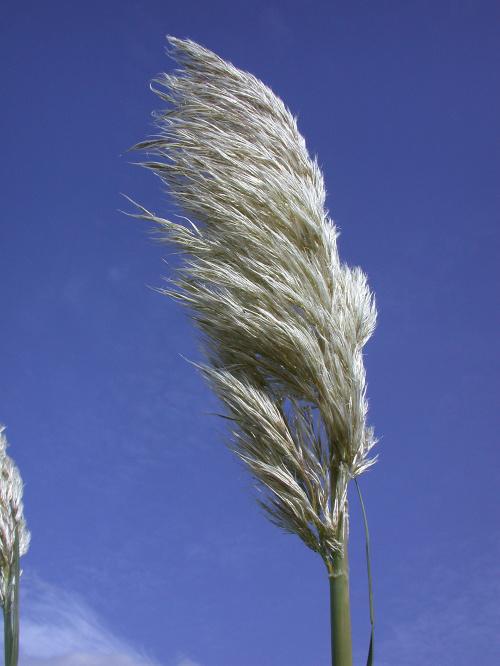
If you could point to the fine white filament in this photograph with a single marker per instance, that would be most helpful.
(282, 321)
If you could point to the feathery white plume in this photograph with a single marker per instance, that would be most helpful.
(283, 322)
(11, 515)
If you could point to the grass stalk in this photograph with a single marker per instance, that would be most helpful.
(11, 612)
(13, 545)
(7, 633)
(370, 587)
(15, 616)
(282, 319)
(340, 608)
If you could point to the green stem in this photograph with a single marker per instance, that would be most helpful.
(15, 632)
(7, 631)
(11, 611)
(340, 608)
(370, 590)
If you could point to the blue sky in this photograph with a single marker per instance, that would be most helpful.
(146, 544)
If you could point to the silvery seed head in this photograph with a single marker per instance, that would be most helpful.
(282, 321)
(11, 515)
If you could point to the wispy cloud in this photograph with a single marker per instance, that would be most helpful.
(451, 620)
(274, 21)
(186, 661)
(60, 629)
(82, 659)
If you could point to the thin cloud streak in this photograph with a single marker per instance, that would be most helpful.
(59, 629)
(459, 615)
(83, 659)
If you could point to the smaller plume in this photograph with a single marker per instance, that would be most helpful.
(11, 515)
